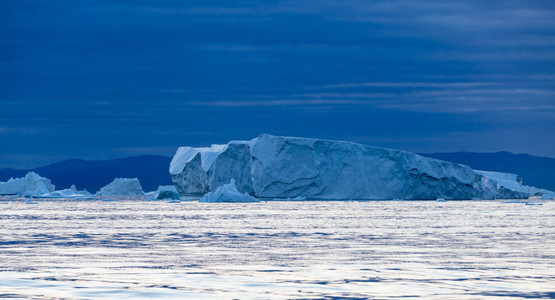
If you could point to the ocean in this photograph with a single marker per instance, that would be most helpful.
(276, 249)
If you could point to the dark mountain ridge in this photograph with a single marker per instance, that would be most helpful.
(151, 170)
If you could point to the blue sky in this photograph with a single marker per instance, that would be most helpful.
(107, 79)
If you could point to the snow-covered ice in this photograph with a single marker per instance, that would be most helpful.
(30, 185)
(287, 167)
(122, 187)
(228, 193)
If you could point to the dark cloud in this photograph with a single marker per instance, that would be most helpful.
(101, 79)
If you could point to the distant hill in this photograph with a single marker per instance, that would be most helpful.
(535, 171)
(151, 170)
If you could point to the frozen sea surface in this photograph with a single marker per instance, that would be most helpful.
(341, 250)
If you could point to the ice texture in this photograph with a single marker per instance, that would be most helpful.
(289, 167)
(30, 185)
(228, 193)
(510, 186)
(122, 187)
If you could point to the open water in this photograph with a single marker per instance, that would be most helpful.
(332, 249)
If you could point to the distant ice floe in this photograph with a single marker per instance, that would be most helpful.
(509, 186)
(122, 187)
(228, 193)
(30, 185)
(65, 194)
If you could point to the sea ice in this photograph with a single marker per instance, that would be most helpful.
(228, 193)
(122, 187)
(287, 167)
(30, 185)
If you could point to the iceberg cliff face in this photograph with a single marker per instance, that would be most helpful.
(287, 167)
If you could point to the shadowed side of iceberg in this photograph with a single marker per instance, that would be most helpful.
(288, 167)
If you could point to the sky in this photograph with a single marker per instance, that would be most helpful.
(108, 79)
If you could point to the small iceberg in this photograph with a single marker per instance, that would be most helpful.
(167, 192)
(441, 200)
(65, 194)
(122, 187)
(513, 201)
(83, 192)
(228, 193)
(30, 185)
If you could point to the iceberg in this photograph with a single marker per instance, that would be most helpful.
(65, 194)
(167, 192)
(30, 185)
(288, 167)
(122, 187)
(83, 192)
(510, 186)
(228, 193)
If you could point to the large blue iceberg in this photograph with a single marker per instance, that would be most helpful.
(288, 167)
